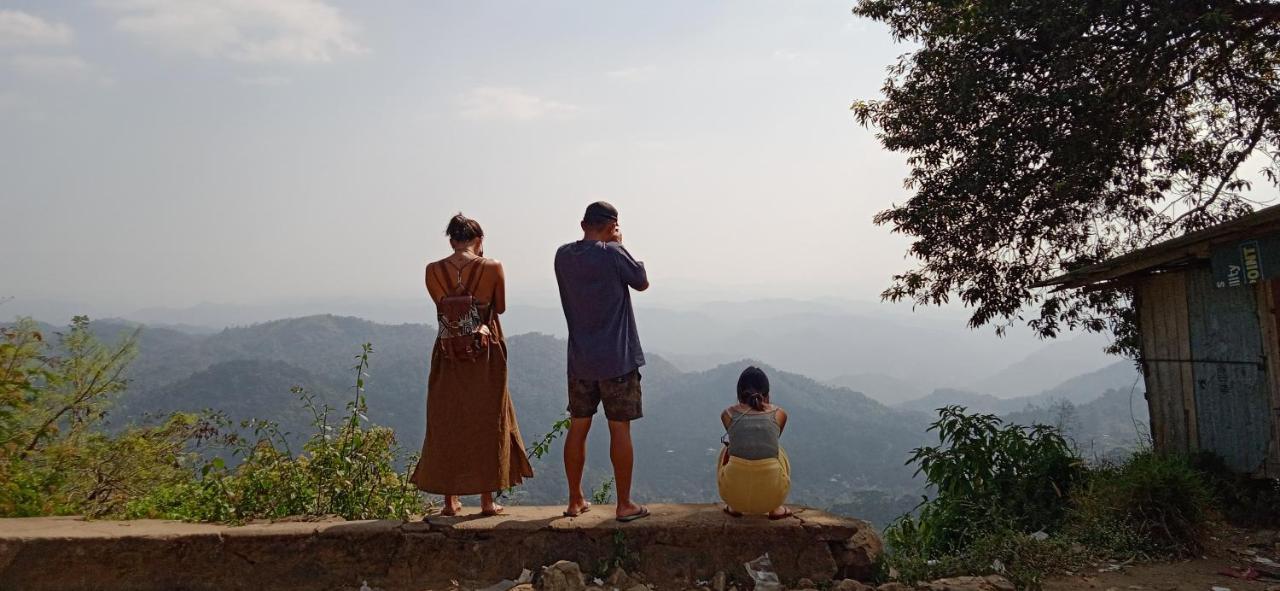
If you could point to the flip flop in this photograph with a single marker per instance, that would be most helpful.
(493, 513)
(785, 514)
(730, 513)
(644, 512)
(584, 509)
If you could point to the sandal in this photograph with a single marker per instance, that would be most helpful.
(785, 514)
(584, 509)
(644, 512)
(730, 512)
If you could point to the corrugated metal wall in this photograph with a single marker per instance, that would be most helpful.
(1231, 390)
(1206, 369)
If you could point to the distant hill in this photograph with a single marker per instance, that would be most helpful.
(847, 449)
(880, 387)
(818, 337)
(1120, 375)
(973, 401)
(841, 442)
(1115, 423)
(1056, 361)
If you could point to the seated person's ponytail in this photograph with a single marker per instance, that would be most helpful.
(753, 388)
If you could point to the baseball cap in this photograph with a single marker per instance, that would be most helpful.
(600, 212)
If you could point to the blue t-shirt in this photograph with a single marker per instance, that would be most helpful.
(594, 279)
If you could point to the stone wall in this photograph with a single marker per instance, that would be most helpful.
(676, 546)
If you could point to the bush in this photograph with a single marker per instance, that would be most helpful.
(986, 476)
(56, 459)
(1016, 500)
(1152, 504)
(346, 468)
(1242, 500)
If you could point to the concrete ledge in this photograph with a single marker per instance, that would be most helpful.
(677, 545)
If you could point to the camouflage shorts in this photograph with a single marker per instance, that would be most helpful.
(620, 395)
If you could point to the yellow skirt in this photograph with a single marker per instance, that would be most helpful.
(754, 486)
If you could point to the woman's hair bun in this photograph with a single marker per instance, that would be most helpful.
(463, 229)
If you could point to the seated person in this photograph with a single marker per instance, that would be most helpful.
(753, 472)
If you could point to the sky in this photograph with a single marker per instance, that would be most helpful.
(173, 152)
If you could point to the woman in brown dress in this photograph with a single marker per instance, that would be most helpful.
(473, 443)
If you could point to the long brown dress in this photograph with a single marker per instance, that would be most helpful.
(473, 443)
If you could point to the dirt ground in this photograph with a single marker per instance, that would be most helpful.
(1231, 550)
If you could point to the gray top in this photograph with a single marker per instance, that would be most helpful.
(595, 280)
(754, 436)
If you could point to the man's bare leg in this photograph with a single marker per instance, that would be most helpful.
(451, 506)
(623, 458)
(575, 459)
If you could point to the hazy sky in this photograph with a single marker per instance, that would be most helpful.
(171, 152)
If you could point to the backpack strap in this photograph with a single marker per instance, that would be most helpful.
(444, 278)
(455, 285)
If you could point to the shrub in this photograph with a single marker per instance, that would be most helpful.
(1242, 499)
(346, 468)
(986, 476)
(54, 459)
(1152, 504)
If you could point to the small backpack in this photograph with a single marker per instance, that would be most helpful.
(464, 322)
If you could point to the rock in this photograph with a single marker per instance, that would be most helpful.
(523, 587)
(894, 587)
(562, 576)
(638, 587)
(852, 585)
(988, 583)
(720, 581)
(857, 556)
(804, 584)
(619, 579)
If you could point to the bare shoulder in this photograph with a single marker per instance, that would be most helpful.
(492, 263)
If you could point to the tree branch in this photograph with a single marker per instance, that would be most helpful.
(1267, 11)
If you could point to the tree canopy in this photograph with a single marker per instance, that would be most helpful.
(1045, 135)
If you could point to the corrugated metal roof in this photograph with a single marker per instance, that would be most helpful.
(1192, 245)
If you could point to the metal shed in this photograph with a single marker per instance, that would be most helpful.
(1210, 345)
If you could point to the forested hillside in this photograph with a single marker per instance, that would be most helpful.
(848, 451)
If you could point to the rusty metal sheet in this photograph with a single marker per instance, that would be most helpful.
(1229, 370)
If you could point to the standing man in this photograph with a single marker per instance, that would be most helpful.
(595, 276)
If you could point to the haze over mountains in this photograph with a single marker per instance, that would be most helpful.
(889, 352)
(847, 448)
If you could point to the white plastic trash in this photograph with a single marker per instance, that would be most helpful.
(761, 571)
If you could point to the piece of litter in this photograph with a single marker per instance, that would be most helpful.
(526, 576)
(1219, 588)
(997, 566)
(502, 585)
(761, 571)
(1040, 536)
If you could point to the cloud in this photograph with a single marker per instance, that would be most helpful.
(55, 67)
(18, 28)
(256, 31)
(509, 104)
(633, 74)
(266, 81)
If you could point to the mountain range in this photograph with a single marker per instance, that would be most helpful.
(847, 449)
